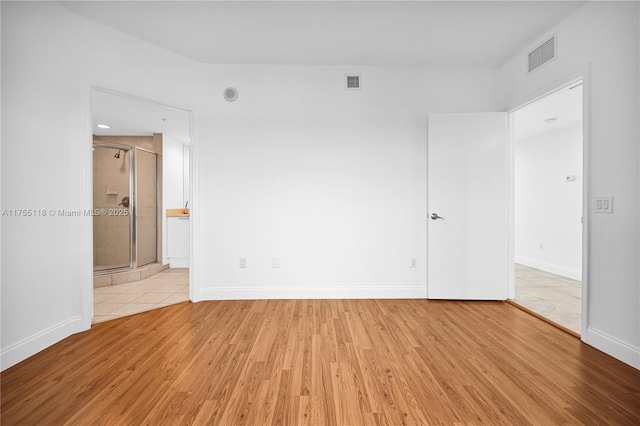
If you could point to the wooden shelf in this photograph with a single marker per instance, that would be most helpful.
(182, 212)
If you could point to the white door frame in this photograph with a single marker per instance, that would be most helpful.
(86, 145)
(584, 75)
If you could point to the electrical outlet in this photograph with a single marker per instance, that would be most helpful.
(275, 262)
(243, 263)
(541, 246)
(413, 263)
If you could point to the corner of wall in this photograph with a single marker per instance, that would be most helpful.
(33, 344)
(615, 347)
(585, 38)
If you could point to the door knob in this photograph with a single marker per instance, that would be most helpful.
(125, 202)
(435, 216)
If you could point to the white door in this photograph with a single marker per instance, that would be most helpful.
(468, 206)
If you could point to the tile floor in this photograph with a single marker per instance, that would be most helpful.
(165, 288)
(554, 297)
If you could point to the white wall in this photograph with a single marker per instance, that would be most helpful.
(172, 183)
(332, 182)
(548, 208)
(49, 58)
(604, 35)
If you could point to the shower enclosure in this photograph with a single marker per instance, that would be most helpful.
(125, 207)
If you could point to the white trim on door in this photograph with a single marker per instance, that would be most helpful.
(569, 80)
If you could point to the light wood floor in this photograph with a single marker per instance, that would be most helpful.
(322, 362)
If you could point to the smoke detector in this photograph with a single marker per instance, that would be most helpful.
(230, 94)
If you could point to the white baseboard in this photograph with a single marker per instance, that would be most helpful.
(549, 267)
(311, 292)
(33, 344)
(180, 262)
(614, 347)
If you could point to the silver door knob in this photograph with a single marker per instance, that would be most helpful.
(435, 216)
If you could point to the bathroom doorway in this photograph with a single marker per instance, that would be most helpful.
(140, 174)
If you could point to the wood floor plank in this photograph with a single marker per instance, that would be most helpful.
(322, 362)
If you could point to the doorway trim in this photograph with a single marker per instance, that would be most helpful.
(567, 81)
(87, 86)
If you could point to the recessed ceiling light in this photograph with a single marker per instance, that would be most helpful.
(103, 126)
(551, 120)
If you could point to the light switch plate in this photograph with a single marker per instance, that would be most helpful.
(603, 204)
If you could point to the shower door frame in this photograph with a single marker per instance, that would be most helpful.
(134, 211)
(132, 208)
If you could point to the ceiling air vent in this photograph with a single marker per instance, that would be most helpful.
(542, 54)
(352, 81)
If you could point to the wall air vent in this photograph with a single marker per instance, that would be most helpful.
(352, 81)
(542, 54)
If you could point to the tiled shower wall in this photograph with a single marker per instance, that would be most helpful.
(111, 232)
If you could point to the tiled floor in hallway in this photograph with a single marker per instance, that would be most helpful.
(165, 288)
(552, 296)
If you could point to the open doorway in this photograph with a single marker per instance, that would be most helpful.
(548, 203)
(141, 186)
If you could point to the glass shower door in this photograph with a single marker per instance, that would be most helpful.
(111, 196)
(146, 207)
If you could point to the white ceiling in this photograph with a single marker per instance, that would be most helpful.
(565, 105)
(135, 117)
(478, 34)
(468, 34)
